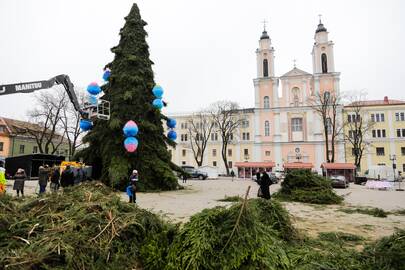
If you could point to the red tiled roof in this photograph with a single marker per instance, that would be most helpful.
(298, 165)
(376, 102)
(255, 164)
(338, 166)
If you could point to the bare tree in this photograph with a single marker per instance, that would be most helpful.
(199, 128)
(227, 118)
(47, 118)
(70, 124)
(329, 107)
(357, 126)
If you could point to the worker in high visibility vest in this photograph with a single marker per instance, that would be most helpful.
(2, 180)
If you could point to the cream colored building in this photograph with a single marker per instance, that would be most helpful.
(385, 138)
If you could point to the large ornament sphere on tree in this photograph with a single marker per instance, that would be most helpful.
(129, 90)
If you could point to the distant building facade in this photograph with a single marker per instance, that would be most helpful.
(385, 139)
(282, 128)
(15, 142)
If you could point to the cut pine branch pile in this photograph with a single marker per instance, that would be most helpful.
(86, 227)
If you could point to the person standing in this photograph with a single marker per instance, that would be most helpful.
(265, 183)
(184, 177)
(19, 181)
(133, 179)
(67, 178)
(232, 174)
(43, 176)
(3, 181)
(55, 176)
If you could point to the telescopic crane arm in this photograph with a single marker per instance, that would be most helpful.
(29, 87)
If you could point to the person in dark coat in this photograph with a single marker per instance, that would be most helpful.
(55, 176)
(67, 178)
(19, 181)
(258, 177)
(184, 177)
(133, 179)
(265, 185)
(43, 176)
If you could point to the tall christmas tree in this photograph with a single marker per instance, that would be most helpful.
(129, 91)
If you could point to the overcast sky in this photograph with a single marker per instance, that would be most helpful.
(203, 51)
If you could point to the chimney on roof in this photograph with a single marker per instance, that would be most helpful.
(386, 100)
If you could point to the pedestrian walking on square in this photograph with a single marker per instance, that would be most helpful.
(67, 178)
(232, 174)
(43, 176)
(265, 183)
(19, 182)
(184, 177)
(55, 177)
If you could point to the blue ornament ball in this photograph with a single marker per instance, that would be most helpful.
(130, 129)
(106, 75)
(92, 99)
(157, 91)
(171, 123)
(158, 103)
(93, 89)
(172, 135)
(85, 125)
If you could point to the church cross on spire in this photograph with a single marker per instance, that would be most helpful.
(295, 62)
(320, 18)
(264, 24)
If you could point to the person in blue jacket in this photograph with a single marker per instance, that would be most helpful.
(131, 188)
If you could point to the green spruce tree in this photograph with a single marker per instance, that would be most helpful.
(130, 93)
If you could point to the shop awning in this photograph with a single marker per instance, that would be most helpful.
(298, 165)
(255, 164)
(338, 166)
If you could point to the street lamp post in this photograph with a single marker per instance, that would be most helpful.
(393, 158)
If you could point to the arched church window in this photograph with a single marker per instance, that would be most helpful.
(324, 63)
(266, 128)
(296, 96)
(266, 102)
(265, 68)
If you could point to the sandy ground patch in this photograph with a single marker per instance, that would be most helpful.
(181, 204)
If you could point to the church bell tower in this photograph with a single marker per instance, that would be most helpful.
(322, 52)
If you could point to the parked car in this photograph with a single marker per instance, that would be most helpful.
(339, 181)
(194, 173)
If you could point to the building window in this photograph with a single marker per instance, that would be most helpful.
(245, 136)
(22, 148)
(214, 152)
(265, 68)
(266, 128)
(1, 146)
(183, 137)
(329, 125)
(229, 164)
(231, 137)
(324, 63)
(380, 151)
(378, 133)
(245, 124)
(400, 132)
(400, 116)
(214, 163)
(403, 167)
(183, 152)
(267, 153)
(266, 102)
(2, 129)
(403, 151)
(183, 162)
(35, 149)
(377, 117)
(353, 151)
(296, 94)
(352, 118)
(229, 152)
(214, 136)
(246, 152)
(170, 153)
(296, 124)
(184, 125)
